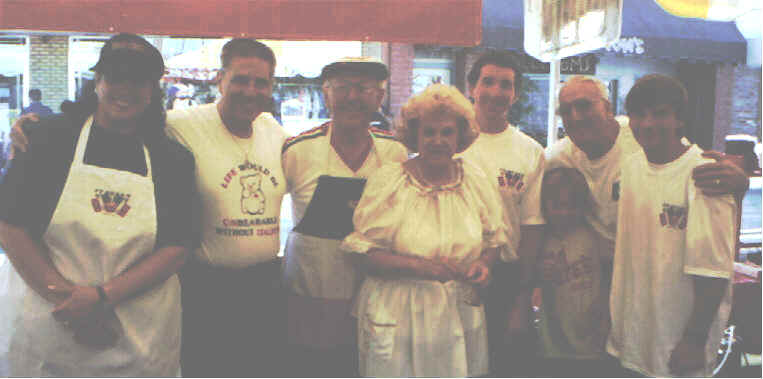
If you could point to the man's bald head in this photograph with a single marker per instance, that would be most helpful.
(587, 116)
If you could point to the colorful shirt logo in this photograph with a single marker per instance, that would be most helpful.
(110, 202)
(673, 216)
(510, 179)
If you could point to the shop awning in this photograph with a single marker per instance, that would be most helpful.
(668, 36)
(503, 24)
(445, 22)
(647, 31)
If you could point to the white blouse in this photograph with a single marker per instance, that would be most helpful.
(455, 221)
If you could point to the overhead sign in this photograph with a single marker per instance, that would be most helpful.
(555, 29)
(577, 65)
(444, 22)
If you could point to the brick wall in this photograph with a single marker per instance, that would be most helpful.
(401, 75)
(745, 117)
(48, 56)
(738, 102)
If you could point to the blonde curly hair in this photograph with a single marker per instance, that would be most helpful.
(437, 99)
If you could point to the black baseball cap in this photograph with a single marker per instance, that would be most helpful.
(356, 65)
(130, 57)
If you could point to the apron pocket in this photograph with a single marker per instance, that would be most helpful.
(380, 339)
(469, 295)
(464, 293)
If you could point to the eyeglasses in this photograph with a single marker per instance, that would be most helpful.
(343, 89)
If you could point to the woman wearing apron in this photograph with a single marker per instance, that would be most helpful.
(96, 221)
(428, 231)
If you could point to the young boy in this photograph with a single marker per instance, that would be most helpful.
(575, 271)
(671, 290)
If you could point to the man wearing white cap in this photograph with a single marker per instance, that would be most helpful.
(325, 172)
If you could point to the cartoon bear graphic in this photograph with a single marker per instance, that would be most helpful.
(252, 197)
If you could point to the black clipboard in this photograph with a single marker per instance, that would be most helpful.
(329, 213)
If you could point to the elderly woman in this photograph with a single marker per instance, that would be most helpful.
(95, 219)
(427, 231)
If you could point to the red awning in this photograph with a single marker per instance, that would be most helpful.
(444, 22)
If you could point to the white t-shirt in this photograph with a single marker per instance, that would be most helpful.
(514, 163)
(602, 175)
(667, 232)
(240, 196)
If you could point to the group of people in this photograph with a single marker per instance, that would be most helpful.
(397, 267)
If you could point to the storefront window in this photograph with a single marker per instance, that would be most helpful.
(14, 68)
(529, 112)
(298, 104)
(427, 71)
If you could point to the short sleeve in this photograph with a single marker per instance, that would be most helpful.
(289, 165)
(32, 186)
(174, 133)
(488, 201)
(559, 154)
(19, 190)
(378, 213)
(531, 213)
(176, 197)
(710, 235)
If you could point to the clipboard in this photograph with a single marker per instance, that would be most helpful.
(329, 213)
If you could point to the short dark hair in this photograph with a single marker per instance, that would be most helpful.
(567, 177)
(655, 89)
(35, 94)
(247, 47)
(500, 58)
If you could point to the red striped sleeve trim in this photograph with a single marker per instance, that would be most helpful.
(310, 134)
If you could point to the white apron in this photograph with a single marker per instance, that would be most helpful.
(413, 327)
(94, 236)
(322, 283)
